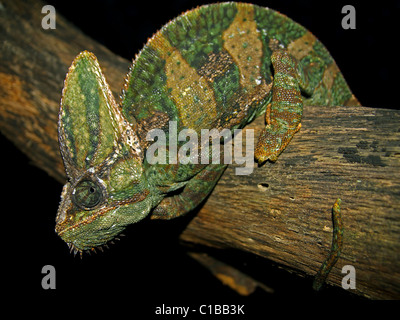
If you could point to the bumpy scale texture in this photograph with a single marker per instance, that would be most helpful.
(217, 66)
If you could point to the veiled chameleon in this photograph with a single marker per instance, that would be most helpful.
(217, 66)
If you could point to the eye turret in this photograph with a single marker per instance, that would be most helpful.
(88, 194)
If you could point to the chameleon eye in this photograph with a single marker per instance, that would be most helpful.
(88, 194)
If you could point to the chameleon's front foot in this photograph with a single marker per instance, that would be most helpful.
(283, 114)
(271, 143)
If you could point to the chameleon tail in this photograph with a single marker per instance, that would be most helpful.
(336, 248)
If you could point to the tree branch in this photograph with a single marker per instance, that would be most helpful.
(282, 211)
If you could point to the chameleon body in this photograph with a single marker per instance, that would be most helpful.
(217, 66)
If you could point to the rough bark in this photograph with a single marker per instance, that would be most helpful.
(282, 211)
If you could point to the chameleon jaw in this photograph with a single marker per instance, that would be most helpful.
(73, 248)
(102, 225)
(70, 233)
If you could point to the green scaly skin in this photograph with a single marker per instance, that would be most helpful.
(208, 68)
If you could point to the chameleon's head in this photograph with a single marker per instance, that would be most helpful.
(106, 188)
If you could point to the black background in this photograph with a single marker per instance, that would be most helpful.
(148, 268)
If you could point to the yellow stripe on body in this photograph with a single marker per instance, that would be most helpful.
(242, 42)
(302, 46)
(193, 96)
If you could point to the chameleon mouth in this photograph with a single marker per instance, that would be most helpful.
(80, 237)
(63, 221)
(76, 250)
(99, 229)
(63, 227)
(66, 205)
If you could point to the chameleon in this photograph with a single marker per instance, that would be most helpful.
(215, 66)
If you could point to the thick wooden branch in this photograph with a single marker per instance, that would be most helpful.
(282, 210)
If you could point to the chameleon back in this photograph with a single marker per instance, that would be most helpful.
(211, 68)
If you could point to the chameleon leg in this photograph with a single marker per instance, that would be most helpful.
(192, 195)
(336, 248)
(284, 113)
